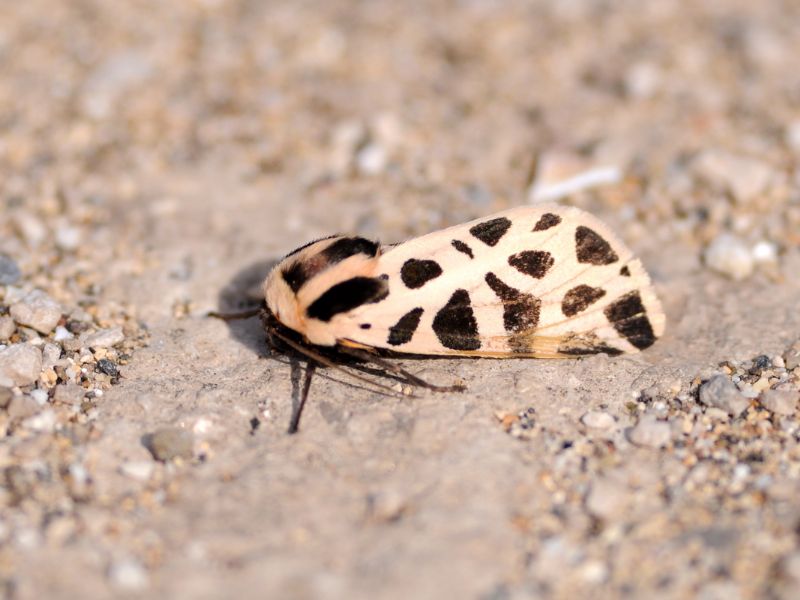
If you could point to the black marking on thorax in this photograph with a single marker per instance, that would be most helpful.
(629, 317)
(300, 272)
(462, 247)
(455, 323)
(580, 298)
(490, 232)
(625, 271)
(415, 273)
(547, 221)
(520, 312)
(591, 248)
(347, 295)
(402, 331)
(535, 263)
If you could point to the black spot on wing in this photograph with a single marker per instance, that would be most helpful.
(297, 274)
(402, 331)
(629, 318)
(547, 221)
(625, 271)
(490, 232)
(535, 263)
(347, 295)
(520, 310)
(455, 323)
(580, 298)
(366, 326)
(462, 247)
(416, 273)
(593, 249)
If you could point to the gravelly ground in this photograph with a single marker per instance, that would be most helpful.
(155, 158)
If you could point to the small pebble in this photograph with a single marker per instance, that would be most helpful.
(40, 396)
(37, 310)
(140, 470)
(44, 422)
(108, 367)
(598, 420)
(62, 333)
(20, 364)
(71, 394)
(104, 338)
(650, 432)
(607, 498)
(22, 407)
(780, 402)
(729, 256)
(51, 354)
(171, 442)
(744, 177)
(791, 357)
(7, 328)
(720, 392)
(9, 270)
(128, 575)
(5, 397)
(68, 238)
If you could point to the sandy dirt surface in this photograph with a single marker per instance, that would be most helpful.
(157, 157)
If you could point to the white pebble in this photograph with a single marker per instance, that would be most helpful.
(729, 256)
(62, 333)
(650, 432)
(128, 574)
(140, 470)
(765, 252)
(598, 420)
(40, 396)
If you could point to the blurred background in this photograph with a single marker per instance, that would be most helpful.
(151, 152)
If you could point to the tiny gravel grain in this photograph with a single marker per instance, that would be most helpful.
(598, 420)
(104, 338)
(38, 311)
(650, 432)
(7, 328)
(169, 443)
(720, 392)
(9, 270)
(20, 364)
(780, 402)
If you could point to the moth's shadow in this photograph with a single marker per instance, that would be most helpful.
(242, 293)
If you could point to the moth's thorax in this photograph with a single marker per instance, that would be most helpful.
(298, 288)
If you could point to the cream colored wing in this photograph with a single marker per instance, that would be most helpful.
(543, 280)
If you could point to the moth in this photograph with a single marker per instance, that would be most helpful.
(543, 281)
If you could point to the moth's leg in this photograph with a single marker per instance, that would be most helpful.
(322, 360)
(311, 366)
(245, 314)
(397, 370)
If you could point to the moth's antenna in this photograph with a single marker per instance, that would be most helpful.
(245, 314)
(295, 422)
(393, 368)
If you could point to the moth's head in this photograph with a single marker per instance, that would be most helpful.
(306, 273)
